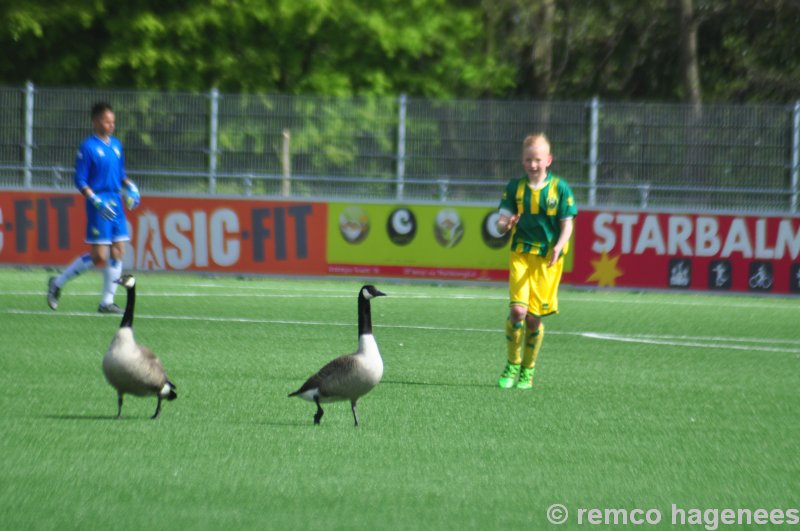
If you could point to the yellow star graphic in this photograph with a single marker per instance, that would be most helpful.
(605, 271)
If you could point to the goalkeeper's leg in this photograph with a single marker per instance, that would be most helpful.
(54, 284)
(111, 273)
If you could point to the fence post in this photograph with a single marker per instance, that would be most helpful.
(401, 146)
(594, 136)
(795, 169)
(213, 128)
(644, 195)
(28, 134)
(286, 163)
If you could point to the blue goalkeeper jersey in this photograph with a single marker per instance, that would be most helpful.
(100, 166)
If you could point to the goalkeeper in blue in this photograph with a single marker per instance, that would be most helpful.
(100, 178)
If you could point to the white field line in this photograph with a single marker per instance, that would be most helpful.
(751, 344)
(684, 301)
(689, 342)
(248, 320)
(299, 295)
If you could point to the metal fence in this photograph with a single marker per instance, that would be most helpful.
(622, 155)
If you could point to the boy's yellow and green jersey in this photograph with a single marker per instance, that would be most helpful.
(542, 211)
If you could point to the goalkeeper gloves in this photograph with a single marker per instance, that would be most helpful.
(106, 209)
(132, 196)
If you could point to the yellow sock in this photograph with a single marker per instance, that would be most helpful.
(514, 338)
(533, 343)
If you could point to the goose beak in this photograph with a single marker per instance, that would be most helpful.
(380, 294)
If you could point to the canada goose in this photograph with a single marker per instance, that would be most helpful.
(351, 376)
(132, 368)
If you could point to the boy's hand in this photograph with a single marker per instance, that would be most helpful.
(506, 223)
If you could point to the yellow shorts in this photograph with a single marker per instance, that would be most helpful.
(532, 284)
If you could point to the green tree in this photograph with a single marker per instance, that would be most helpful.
(681, 50)
(342, 47)
(750, 51)
(52, 43)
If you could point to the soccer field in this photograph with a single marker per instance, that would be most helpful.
(641, 401)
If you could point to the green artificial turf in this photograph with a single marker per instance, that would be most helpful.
(641, 400)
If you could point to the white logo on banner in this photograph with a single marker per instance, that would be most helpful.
(183, 240)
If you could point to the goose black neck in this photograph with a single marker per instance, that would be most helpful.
(364, 316)
(127, 317)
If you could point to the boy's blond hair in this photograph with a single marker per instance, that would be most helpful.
(535, 138)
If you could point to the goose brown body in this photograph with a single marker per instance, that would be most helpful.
(131, 368)
(351, 376)
(347, 377)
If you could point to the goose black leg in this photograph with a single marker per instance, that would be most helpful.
(158, 409)
(355, 416)
(319, 413)
(119, 405)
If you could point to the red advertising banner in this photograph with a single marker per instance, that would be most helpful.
(243, 236)
(610, 248)
(687, 251)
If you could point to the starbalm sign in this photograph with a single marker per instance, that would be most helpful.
(688, 251)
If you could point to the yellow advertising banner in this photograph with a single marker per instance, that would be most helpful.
(430, 241)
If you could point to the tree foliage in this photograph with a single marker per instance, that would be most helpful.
(747, 50)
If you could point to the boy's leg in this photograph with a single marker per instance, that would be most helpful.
(533, 343)
(519, 294)
(514, 333)
(544, 301)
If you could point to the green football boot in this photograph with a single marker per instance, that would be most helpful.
(525, 378)
(509, 376)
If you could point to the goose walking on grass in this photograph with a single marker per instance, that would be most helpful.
(351, 376)
(132, 368)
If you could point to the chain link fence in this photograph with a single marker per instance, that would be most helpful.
(623, 155)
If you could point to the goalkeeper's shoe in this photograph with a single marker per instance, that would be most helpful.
(53, 293)
(509, 375)
(525, 378)
(110, 308)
